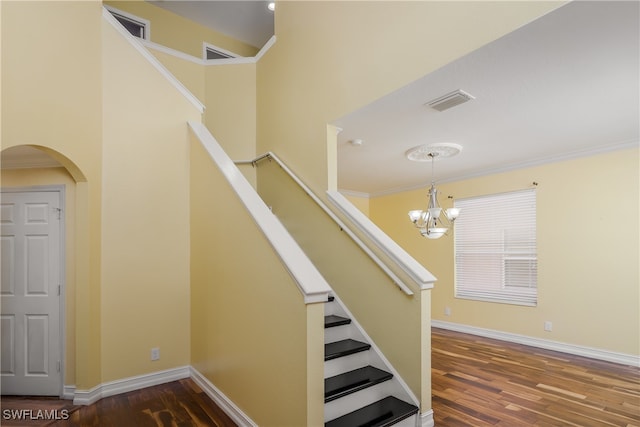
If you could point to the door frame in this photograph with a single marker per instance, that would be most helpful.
(60, 189)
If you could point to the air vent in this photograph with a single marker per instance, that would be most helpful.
(449, 100)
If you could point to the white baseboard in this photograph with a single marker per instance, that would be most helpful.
(221, 400)
(426, 419)
(593, 353)
(68, 392)
(87, 397)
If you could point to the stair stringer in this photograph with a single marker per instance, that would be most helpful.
(396, 386)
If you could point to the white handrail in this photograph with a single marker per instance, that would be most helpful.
(409, 264)
(396, 280)
(313, 286)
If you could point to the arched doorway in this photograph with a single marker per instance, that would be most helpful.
(38, 261)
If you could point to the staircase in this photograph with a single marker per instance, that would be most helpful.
(359, 388)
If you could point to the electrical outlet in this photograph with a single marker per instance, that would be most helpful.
(548, 326)
(155, 353)
(447, 311)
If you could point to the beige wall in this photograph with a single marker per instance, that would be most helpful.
(362, 203)
(231, 108)
(145, 275)
(53, 99)
(176, 32)
(588, 240)
(250, 328)
(127, 152)
(333, 57)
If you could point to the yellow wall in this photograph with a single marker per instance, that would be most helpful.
(588, 240)
(324, 66)
(145, 275)
(250, 328)
(332, 57)
(127, 152)
(362, 203)
(350, 272)
(176, 32)
(53, 99)
(57, 176)
(231, 108)
(189, 73)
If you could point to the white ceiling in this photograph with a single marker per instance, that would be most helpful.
(564, 85)
(244, 20)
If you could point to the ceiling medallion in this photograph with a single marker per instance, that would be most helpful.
(428, 153)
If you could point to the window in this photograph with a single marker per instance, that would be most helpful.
(495, 248)
(215, 52)
(138, 27)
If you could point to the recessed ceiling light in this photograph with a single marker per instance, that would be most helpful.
(271, 6)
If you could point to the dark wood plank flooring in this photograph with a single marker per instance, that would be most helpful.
(177, 404)
(476, 382)
(482, 382)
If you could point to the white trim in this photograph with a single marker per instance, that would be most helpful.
(577, 350)
(354, 193)
(515, 166)
(312, 285)
(145, 22)
(169, 51)
(135, 42)
(68, 392)
(423, 278)
(87, 397)
(234, 412)
(426, 419)
(265, 48)
(396, 280)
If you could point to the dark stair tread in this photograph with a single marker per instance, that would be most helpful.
(333, 350)
(333, 320)
(382, 413)
(352, 381)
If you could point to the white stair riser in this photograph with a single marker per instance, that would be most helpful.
(338, 333)
(353, 401)
(345, 364)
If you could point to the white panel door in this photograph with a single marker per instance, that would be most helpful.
(29, 293)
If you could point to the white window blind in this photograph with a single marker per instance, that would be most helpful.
(495, 248)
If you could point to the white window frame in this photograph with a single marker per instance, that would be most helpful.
(483, 248)
(211, 47)
(145, 23)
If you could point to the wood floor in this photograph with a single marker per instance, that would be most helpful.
(176, 404)
(476, 382)
(481, 382)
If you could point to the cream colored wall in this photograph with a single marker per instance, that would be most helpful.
(145, 275)
(362, 203)
(189, 73)
(250, 328)
(176, 32)
(231, 108)
(588, 240)
(350, 272)
(324, 65)
(57, 176)
(53, 99)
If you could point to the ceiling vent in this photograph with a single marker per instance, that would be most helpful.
(449, 100)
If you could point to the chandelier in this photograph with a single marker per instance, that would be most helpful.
(430, 222)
